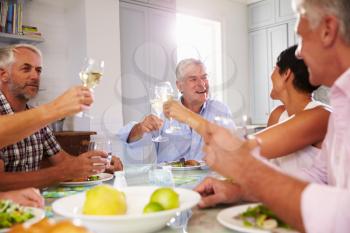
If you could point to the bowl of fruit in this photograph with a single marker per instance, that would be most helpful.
(131, 209)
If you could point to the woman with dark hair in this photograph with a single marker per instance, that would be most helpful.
(295, 129)
(301, 121)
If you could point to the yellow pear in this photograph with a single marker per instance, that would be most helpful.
(104, 200)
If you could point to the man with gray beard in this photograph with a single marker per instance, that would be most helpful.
(20, 71)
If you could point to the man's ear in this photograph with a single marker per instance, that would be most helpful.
(4, 75)
(330, 30)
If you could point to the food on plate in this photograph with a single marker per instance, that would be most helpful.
(261, 217)
(191, 162)
(167, 198)
(104, 200)
(48, 226)
(12, 213)
(184, 163)
(90, 178)
(152, 207)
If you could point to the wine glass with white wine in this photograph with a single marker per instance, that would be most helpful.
(157, 99)
(90, 75)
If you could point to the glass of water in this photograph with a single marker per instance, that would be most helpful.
(161, 176)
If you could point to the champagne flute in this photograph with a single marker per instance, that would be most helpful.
(166, 91)
(157, 100)
(90, 75)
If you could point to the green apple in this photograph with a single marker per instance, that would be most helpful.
(104, 200)
(166, 197)
(152, 207)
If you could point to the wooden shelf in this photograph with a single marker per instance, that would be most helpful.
(13, 38)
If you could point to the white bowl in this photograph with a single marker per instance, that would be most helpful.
(134, 220)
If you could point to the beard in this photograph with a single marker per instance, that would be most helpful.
(25, 92)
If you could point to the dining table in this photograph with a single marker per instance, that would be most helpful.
(195, 220)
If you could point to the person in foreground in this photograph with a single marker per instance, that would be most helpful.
(20, 70)
(193, 84)
(324, 30)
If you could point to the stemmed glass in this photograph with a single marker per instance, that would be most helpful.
(166, 92)
(172, 128)
(157, 99)
(240, 130)
(90, 75)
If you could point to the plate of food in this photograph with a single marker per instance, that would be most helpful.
(12, 214)
(253, 218)
(183, 165)
(92, 180)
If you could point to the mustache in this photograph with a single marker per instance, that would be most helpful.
(33, 84)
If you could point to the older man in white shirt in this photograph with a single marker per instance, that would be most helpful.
(324, 30)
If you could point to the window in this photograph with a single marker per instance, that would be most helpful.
(201, 39)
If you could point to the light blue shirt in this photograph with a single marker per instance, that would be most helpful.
(186, 144)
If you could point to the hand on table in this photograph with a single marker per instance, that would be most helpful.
(27, 197)
(215, 192)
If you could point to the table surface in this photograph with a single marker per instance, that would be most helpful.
(197, 220)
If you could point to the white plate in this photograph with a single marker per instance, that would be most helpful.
(134, 220)
(202, 165)
(227, 218)
(103, 177)
(38, 215)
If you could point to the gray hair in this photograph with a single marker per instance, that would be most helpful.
(182, 65)
(314, 10)
(7, 54)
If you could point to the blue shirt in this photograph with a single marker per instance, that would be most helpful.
(186, 144)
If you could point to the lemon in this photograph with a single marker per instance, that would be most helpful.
(166, 197)
(152, 207)
(104, 200)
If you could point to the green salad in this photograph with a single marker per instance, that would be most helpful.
(12, 213)
(261, 217)
(93, 178)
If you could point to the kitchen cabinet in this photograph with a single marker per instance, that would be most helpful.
(148, 54)
(266, 40)
(261, 14)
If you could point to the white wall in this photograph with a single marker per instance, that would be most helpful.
(233, 17)
(103, 42)
(74, 30)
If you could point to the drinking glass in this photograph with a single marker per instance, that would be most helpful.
(157, 99)
(161, 176)
(173, 128)
(166, 92)
(90, 75)
(102, 145)
(240, 129)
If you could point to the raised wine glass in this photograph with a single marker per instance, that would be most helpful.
(157, 99)
(166, 91)
(90, 75)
